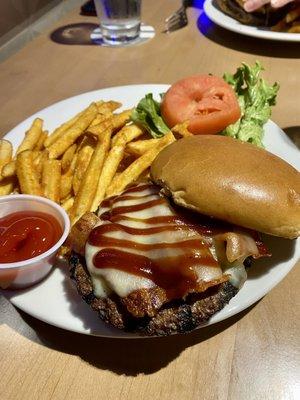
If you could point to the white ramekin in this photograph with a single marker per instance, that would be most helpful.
(25, 273)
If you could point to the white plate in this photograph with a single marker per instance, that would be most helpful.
(56, 301)
(223, 20)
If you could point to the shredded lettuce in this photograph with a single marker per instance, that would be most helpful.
(147, 114)
(255, 97)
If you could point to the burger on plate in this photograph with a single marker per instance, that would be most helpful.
(164, 256)
(264, 16)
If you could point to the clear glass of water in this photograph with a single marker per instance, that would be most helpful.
(120, 20)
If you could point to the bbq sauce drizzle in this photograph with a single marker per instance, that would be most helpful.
(175, 274)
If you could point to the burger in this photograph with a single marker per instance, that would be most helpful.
(264, 16)
(165, 255)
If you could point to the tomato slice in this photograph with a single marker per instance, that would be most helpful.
(206, 101)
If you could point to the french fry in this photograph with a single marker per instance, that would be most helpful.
(292, 15)
(281, 26)
(182, 129)
(295, 28)
(99, 129)
(119, 120)
(10, 169)
(140, 147)
(84, 198)
(99, 103)
(66, 125)
(134, 170)
(40, 143)
(108, 106)
(127, 134)
(51, 177)
(68, 204)
(101, 118)
(105, 110)
(113, 160)
(61, 129)
(289, 22)
(67, 157)
(69, 136)
(39, 161)
(85, 153)
(66, 180)
(80, 163)
(36, 156)
(16, 188)
(7, 186)
(64, 252)
(27, 174)
(109, 169)
(6, 151)
(31, 136)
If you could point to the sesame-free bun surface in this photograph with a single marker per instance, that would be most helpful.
(233, 181)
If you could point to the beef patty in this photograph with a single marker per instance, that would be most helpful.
(177, 316)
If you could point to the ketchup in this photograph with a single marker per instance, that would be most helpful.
(26, 234)
(118, 248)
(174, 274)
(145, 235)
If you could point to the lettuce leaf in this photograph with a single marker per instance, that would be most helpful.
(255, 97)
(147, 114)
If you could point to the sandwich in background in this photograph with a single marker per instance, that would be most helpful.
(264, 16)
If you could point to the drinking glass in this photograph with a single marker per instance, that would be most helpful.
(120, 20)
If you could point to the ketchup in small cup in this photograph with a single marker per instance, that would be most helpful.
(32, 229)
(27, 234)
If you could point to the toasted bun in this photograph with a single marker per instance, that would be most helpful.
(232, 181)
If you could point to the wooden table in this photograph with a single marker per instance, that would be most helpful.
(254, 355)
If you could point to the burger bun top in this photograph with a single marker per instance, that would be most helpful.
(232, 181)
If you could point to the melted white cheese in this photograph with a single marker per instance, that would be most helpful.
(107, 280)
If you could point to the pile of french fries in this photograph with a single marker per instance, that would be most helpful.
(96, 154)
(290, 23)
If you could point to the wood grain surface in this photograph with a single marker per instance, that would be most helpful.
(254, 355)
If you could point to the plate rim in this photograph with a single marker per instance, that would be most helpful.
(218, 17)
(121, 334)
